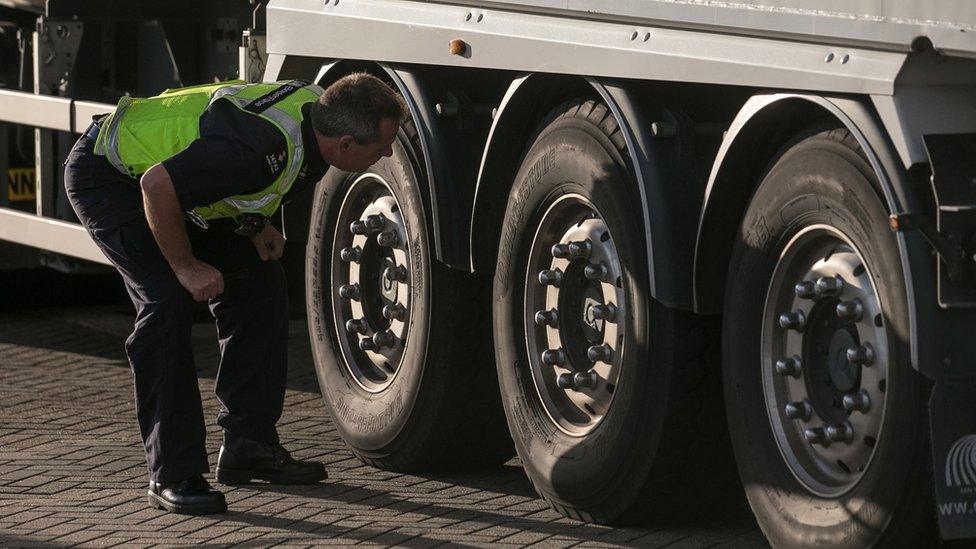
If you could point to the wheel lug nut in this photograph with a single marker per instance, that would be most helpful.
(793, 321)
(383, 339)
(606, 312)
(599, 353)
(581, 249)
(351, 254)
(565, 381)
(830, 286)
(805, 289)
(551, 277)
(396, 274)
(585, 379)
(850, 310)
(388, 239)
(349, 291)
(595, 271)
(367, 344)
(862, 355)
(857, 402)
(358, 227)
(560, 251)
(840, 432)
(816, 435)
(375, 222)
(553, 357)
(799, 410)
(547, 318)
(356, 326)
(394, 311)
(789, 366)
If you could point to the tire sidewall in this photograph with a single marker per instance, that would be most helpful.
(368, 421)
(572, 156)
(818, 181)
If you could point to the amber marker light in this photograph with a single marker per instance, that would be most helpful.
(458, 47)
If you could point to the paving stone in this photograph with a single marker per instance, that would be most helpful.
(72, 470)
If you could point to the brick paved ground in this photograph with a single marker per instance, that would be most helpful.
(72, 469)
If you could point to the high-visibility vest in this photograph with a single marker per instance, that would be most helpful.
(143, 132)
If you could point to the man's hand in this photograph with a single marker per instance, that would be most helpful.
(269, 243)
(201, 280)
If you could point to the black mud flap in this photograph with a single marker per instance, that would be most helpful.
(953, 416)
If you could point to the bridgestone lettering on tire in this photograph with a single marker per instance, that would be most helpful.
(401, 343)
(607, 393)
(827, 417)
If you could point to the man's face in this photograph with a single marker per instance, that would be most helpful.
(353, 157)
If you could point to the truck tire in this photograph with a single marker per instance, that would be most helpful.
(607, 392)
(827, 417)
(401, 343)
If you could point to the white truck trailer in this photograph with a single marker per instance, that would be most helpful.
(663, 246)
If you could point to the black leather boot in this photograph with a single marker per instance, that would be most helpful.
(192, 496)
(242, 460)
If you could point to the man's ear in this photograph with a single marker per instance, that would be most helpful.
(346, 141)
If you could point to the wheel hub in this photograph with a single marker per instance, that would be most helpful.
(573, 303)
(824, 350)
(371, 291)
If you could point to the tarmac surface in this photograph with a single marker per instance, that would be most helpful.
(72, 470)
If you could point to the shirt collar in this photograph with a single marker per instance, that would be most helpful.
(313, 157)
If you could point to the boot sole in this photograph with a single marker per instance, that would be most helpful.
(237, 477)
(157, 502)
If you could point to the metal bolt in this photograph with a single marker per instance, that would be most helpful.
(384, 339)
(553, 357)
(553, 277)
(840, 432)
(816, 435)
(358, 228)
(595, 271)
(585, 379)
(560, 251)
(862, 355)
(805, 289)
(396, 274)
(850, 310)
(606, 312)
(375, 222)
(547, 318)
(789, 366)
(356, 326)
(793, 321)
(830, 286)
(600, 353)
(857, 402)
(565, 381)
(394, 311)
(799, 410)
(367, 344)
(388, 239)
(581, 249)
(349, 291)
(351, 254)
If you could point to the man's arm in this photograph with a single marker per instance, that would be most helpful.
(165, 218)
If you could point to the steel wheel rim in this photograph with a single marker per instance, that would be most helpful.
(370, 288)
(573, 326)
(824, 360)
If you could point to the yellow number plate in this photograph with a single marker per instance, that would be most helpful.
(21, 184)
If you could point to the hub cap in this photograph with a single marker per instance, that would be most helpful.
(371, 283)
(824, 360)
(574, 307)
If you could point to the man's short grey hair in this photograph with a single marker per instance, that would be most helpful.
(354, 105)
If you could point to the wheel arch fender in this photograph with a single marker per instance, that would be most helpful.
(529, 98)
(764, 124)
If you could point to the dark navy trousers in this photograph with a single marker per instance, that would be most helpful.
(251, 317)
